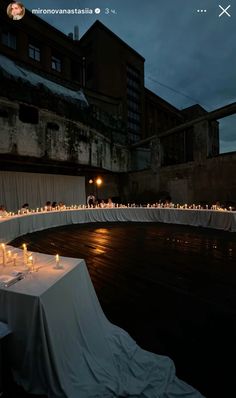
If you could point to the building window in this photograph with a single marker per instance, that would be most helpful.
(133, 84)
(28, 114)
(133, 96)
(132, 126)
(133, 116)
(56, 63)
(9, 40)
(133, 106)
(133, 72)
(52, 126)
(34, 52)
(3, 113)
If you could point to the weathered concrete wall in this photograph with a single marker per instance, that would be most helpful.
(140, 187)
(207, 181)
(194, 182)
(58, 138)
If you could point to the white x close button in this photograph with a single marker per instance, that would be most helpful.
(224, 11)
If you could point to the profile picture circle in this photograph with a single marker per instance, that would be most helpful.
(15, 10)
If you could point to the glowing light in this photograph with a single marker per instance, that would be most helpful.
(98, 181)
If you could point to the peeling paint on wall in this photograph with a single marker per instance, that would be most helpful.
(56, 138)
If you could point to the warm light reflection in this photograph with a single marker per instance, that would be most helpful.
(99, 251)
(102, 230)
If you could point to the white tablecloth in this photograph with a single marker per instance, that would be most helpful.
(62, 344)
(15, 226)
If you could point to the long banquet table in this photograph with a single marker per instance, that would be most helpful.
(14, 226)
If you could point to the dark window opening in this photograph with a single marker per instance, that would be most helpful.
(132, 71)
(9, 40)
(52, 126)
(3, 113)
(34, 52)
(28, 114)
(56, 63)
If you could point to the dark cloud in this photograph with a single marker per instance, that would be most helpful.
(192, 53)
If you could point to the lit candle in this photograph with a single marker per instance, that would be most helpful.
(3, 246)
(25, 255)
(57, 260)
(230, 208)
(9, 256)
(30, 261)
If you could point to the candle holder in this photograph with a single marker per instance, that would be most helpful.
(30, 262)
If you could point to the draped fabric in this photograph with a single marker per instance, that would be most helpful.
(18, 188)
(14, 226)
(62, 344)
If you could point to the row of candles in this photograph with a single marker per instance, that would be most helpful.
(115, 205)
(7, 256)
(28, 259)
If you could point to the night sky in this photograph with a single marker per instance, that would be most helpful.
(190, 55)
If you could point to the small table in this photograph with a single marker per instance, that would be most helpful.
(63, 346)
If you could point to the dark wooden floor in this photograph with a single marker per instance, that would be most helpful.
(173, 288)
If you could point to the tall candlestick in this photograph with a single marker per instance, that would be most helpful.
(9, 256)
(25, 254)
(57, 261)
(3, 247)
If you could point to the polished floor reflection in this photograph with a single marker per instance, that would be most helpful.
(173, 288)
